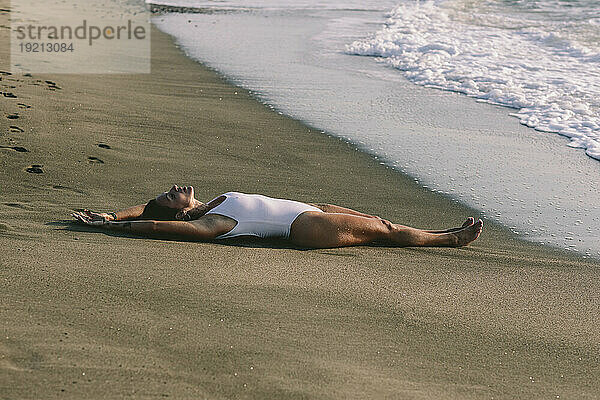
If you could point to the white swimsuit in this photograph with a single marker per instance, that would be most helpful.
(259, 215)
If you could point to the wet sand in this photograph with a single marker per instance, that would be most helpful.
(92, 314)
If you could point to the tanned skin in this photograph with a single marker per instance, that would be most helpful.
(335, 227)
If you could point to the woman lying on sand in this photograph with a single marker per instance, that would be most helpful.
(177, 214)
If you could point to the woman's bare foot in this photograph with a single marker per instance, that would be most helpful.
(469, 221)
(468, 234)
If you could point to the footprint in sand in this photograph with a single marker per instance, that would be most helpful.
(14, 128)
(23, 105)
(104, 146)
(35, 169)
(95, 160)
(16, 148)
(20, 206)
(13, 116)
(52, 85)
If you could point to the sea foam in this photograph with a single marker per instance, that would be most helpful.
(530, 64)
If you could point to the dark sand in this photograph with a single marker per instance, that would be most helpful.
(89, 314)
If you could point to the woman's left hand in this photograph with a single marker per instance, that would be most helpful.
(86, 218)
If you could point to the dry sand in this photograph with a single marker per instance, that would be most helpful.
(90, 314)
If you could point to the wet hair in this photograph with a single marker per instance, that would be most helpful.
(155, 211)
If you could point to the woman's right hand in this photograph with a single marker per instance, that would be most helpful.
(83, 217)
(95, 216)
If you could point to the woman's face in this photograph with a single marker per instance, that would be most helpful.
(178, 197)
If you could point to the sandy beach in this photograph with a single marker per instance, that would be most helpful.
(91, 314)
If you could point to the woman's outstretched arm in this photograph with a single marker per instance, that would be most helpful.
(196, 230)
(176, 229)
(130, 213)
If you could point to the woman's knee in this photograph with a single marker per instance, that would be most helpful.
(382, 230)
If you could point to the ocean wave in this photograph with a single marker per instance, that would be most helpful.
(552, 80)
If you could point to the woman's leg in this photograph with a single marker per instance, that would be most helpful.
(322, 230)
